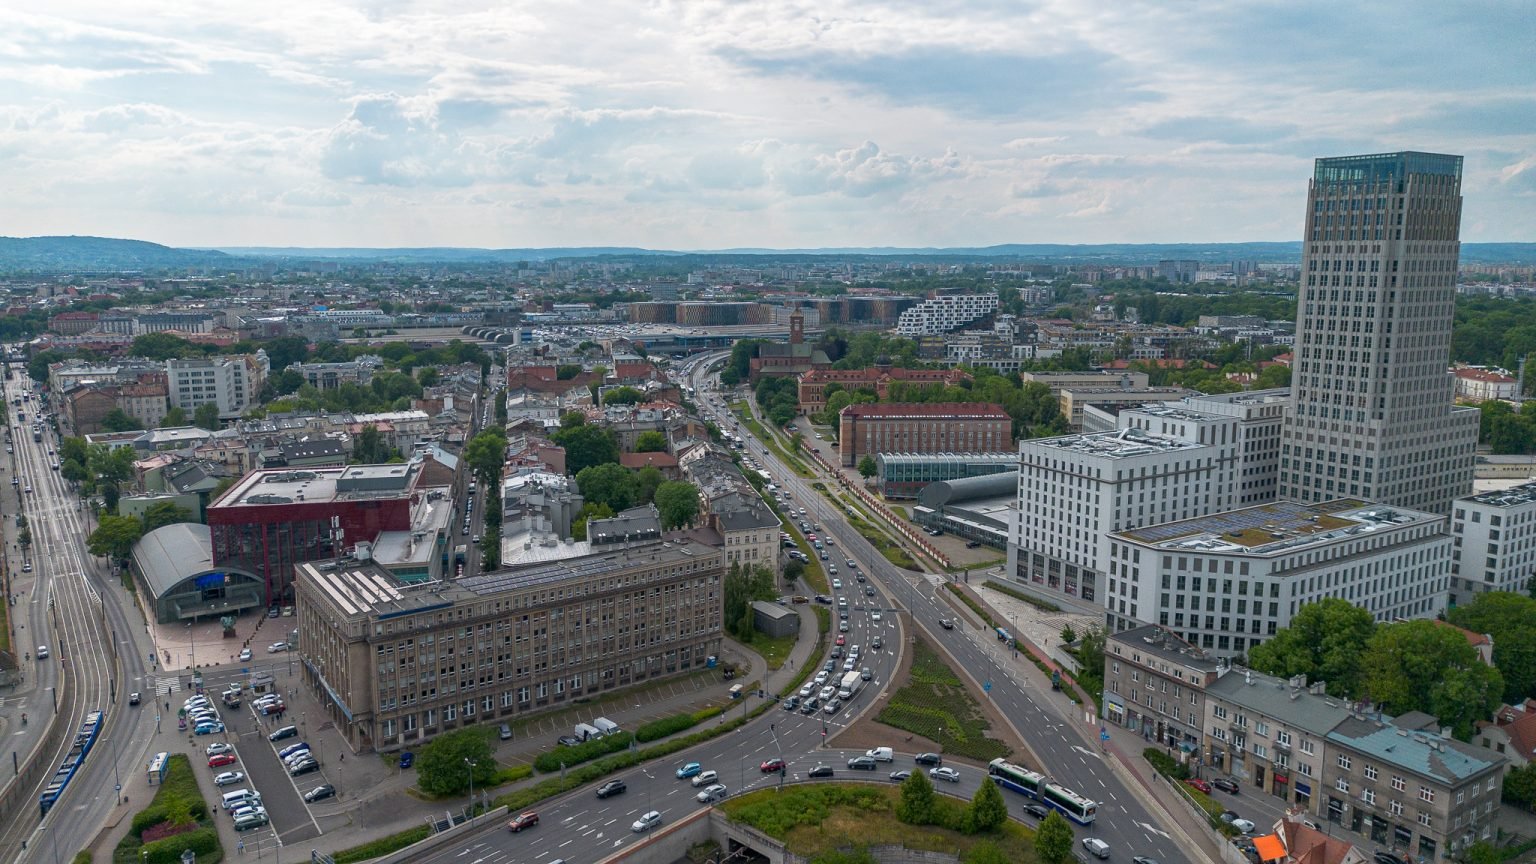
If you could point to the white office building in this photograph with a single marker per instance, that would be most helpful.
(1228, 581)
(1494, 537)
(1260, 415)
(1074, 490)
(944, 313)
(233, 383)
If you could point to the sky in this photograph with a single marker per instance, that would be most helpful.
(743, 123)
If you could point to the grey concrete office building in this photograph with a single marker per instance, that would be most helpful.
(1373, 416)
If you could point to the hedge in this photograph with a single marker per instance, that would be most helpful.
(550, 762)
(664, 727)
(203, 841)
(178, 801)
(1166, 765)
(383, 846)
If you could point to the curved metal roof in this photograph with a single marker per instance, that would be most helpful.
(936, 495)
(169, 556)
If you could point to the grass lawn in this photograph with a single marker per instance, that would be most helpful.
(176, 819)
(892, 551)
(934, 703)
(811, 819)
(770, 440)
(775, 651)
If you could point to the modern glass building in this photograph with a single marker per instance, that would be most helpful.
(903, 475)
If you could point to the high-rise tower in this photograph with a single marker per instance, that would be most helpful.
(1372, 415)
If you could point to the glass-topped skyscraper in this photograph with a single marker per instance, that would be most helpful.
(1373, 415)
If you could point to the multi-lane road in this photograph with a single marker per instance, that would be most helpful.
(71, 609)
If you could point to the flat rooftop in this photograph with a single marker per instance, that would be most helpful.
(1174, 411)
(1280, 527)
(311, 485)
(1118, 444)
(1514, 496)
(675, 549)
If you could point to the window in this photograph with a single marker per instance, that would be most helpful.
(1426, 794)
(1261, 728)
(1219, 712)
(1398, 784)
(1345, 762)
(1368, 796)
(1283, 738)
(1395, 807)
(1306, 746)
(1341, 784)
(1370, 772)
(1423, 817)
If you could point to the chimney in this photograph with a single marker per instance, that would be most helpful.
(1248, 677)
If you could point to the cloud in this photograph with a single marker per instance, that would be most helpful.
(389, 141)
(863, 171)
(1223, 130)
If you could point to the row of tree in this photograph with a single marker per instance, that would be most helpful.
(115, 535)
(1407, 666)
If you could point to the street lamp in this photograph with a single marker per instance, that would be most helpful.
(470, 762)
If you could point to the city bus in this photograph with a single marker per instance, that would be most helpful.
(1072, 805)
(1013, 777)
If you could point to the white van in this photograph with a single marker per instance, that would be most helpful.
(583, 732)
(606, 726)
(881, 754)
(238, 797)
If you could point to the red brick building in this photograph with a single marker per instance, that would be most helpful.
(920, 427)
(813, 384)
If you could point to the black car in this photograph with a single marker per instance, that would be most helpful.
(567, 741)
(611, 788)
(1039, 811)
(1383, 857)
(822, 598)
(1226, 784)
(933, 759)
(821, 771)
(304, 767)
(862, 763)
(325, 790)
(946, 624)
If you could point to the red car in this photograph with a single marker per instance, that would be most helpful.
(771, 766)
(841, 639)
(523, 820)
(221, 760)
(1201, 785)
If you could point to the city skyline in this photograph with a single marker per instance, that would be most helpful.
(711, 125)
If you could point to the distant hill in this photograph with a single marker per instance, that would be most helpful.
(84, 254)
(103, 254)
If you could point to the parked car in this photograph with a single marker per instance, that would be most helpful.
(1200, 785)
(228, 778)
(222, 759)
(567, 741)
(304, 766)
(407, 759)
(944, 773)
(324, 790)
(245, 654)
(285, 732)
(208, 729)
(301, 747)
(1226, 784)
(523, 820)
(1244, 825)
(217, 748)
(611, 788)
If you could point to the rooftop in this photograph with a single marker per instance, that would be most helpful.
(675, 549)
(1423, 753)
(947, 410)
(1164, 643)
(287, 486)
(1280, 527)
(1175, 411)
(1289, 702)
(1525, 493)
(1119, 444)
(944, 458)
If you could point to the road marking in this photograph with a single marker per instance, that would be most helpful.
(1084, 751)
(1153, 829)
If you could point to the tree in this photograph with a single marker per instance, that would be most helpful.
(586, 446)
(609, 484)
(1053, 839)
(916, 806)
(1481, 852)
(567, 371)
(164, 346)
(678, 503)
(485, 455)
(1424, 666)
(163, 514)
(650, 441)
(988, 810)
(173, 418)
(117, 420)
(647, 480)
(114, 537)
(742, 586)
(206, 416)
(623, 396)
(1520, 786)
(589, 510)
(793, 571)
(867, 466)
(490, 546)
(444, 765)
(370, 448)
(1324, 642)
(1510, 619)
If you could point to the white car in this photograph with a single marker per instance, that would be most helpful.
(277, 647)
(228, 778)
(715, 792)
(944, 773)
(245, 653)
(875, 617)
(705, 778)
(647, 822)
(1244, 825)
(216, 749)
(821, 677)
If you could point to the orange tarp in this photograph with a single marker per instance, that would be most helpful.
(1269, 847)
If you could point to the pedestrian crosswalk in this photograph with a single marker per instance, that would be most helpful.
(166, 684)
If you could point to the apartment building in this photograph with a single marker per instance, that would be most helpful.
(1260, 415)
(922, 427)
(330, 376)
(1405, 787)
(1154, 684)
(813, 384)
(944, 313)
(1494, 537)
(232, 383)
(1076, 489)
(396, 664)
(1059, 381)
(1227, 581)
(1270, 734)
(1073, 400)
(1482, 385)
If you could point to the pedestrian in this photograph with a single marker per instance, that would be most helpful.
(342, 758)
